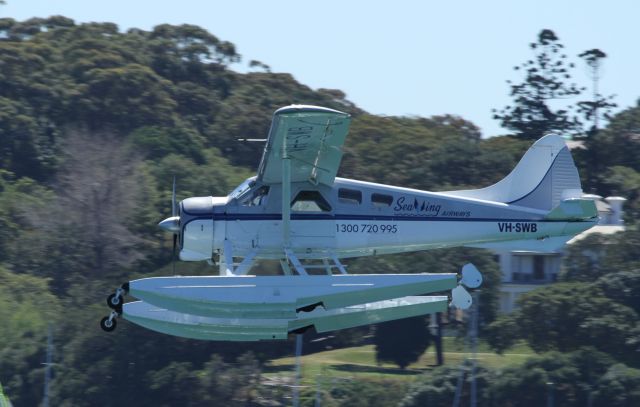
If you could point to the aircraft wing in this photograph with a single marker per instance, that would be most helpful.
(312, 137)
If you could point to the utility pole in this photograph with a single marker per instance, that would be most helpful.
(296, 386)
(435, 329)
(439, 350)
(550, 398)
(472, 339)
(474, 348)
(47, 370)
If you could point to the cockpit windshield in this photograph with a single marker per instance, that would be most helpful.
(256, 197)
(242, 188)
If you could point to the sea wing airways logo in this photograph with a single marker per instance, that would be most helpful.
(406, 205)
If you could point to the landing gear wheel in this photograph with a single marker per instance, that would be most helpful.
(114, 301)
(108, 324)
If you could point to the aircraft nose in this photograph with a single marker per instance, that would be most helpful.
(171, 224)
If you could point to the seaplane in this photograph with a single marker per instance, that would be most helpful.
(298, 212)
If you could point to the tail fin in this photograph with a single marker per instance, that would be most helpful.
(544, 177)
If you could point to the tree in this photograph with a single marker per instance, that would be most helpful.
(26, 143)
(569, 316)
(437, 388)
(101, 194)
(26, 309)
(580, 378)
(402, 341)
(597, 256)
(598, 105)
(363, 393)
(532, 114)
(571, 377)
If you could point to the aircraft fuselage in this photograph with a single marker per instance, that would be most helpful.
(355, 218)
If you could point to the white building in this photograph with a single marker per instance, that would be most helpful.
(523, 271)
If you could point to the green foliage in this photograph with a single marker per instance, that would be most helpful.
(579, 378)
(624, 181)
(569, 316)
(19, 200)
(157, 142)
(599, 106)
(363, 393)
(26, 146)
(599, 255)
(402, 341)
(96, 122)
(598, 304)
(546, 76)
(26, 309)
(132, 91)
(438, 387)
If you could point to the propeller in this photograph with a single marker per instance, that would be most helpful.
(173, 198)
(172, 224)
(175, 235)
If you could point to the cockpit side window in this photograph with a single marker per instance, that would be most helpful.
(381, 200)
(310, 201)
(349, 196)
(256, 197)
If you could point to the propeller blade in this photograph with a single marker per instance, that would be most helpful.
(173, 254)
(173, 198)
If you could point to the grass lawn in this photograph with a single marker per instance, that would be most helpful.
(360, 362)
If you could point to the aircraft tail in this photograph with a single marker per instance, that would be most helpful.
(545, 176)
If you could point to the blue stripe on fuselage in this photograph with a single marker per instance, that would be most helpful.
(277, 216)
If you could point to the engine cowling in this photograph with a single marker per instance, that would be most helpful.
(196, 228)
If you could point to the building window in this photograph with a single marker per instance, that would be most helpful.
(381, 200)
(349, 196)
(538, 267)
(310, 201)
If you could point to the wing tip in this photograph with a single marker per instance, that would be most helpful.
(307, 108)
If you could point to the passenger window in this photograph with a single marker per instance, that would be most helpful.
(349, 196)
(310, 201)
(256, 197)
(381, 200)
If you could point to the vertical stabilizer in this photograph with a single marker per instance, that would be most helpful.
(545, 175)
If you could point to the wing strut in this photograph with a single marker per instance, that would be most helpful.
(286, 195)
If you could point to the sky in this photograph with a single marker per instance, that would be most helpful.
(416, 58)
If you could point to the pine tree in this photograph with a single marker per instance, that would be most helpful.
(599, 106)
(546, 75)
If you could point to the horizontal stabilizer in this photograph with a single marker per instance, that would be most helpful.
(574, 209)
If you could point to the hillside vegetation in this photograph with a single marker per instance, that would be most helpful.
(94, 125)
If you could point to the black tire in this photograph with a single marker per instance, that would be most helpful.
(114, 302)
(107, 325)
